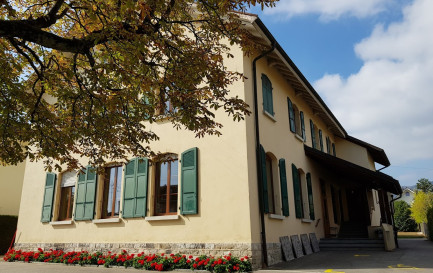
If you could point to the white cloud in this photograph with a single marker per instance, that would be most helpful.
(389, 101)
(329, 9)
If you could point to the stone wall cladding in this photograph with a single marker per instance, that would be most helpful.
(195, 249)
(275, 254)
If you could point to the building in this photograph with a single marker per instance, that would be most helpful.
(289, 168)
(408, 195)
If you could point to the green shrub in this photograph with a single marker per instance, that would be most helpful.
(403, 220)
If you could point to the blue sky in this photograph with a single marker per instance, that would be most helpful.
(372, 63)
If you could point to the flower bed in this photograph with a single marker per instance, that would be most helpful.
(160, 262)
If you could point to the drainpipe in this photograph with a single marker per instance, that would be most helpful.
(258, 160)
(393, 220)
(392, 212)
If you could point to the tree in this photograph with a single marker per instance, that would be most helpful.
(403, 221)
(421, 204)
(424, 185)
(78, 78)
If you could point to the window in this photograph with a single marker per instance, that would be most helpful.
(321, 140)
(111, 192)
(270, 180)
(296, 119)
(303, 135)
(310, 196)
(297, 190)
(166, 186)
(268, 105)
(67, 192)
(272, 202)
(333, 149)
(407, 193)
(292, 121)
(303, 191)
(313, 135)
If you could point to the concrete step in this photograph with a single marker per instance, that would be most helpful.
(351, 248)
(350, 244)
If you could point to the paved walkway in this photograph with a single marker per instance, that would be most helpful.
(414, 255)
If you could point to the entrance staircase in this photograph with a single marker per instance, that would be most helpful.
(352, 236)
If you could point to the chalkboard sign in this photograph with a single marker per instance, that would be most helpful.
(306, 244)
(297, 246)
(314, 242)
(286, 245)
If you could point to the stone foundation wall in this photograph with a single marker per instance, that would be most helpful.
(195, 249)
(216, 249)
(275, 254)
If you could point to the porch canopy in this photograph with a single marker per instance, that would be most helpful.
(353, 172)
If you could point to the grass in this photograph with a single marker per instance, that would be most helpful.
(403, 235)
(8, 225)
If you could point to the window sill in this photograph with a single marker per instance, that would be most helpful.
(266, 113)
(162, 218)
(106, 221)
(299, 138)
(276, 216)
(59, 223)
(307, 221)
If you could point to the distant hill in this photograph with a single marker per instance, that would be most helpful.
(410, 187)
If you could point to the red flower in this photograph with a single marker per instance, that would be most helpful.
(246, 257)
(242, 259)
(190, 256)
(194, 265)
(197, 259)
(188, 261)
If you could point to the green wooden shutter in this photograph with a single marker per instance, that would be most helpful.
(135, 188)
(304, 136)
(264, 180)
(297, 192)
(313, 135)
(283, 183)
(321, 140)
(86, 193)
(267, 95)
(291, 116)
(141, 187)
(328, 145)
(333, 149)
(129, 185)
(47, 204)
(310, 196)
(189, 182)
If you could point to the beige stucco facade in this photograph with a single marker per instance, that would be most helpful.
(228, 218)
(11, 184)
